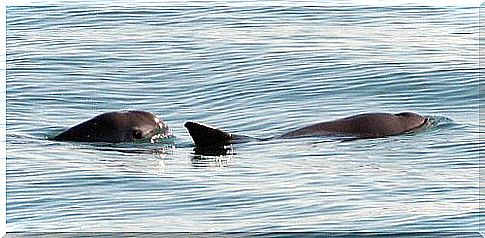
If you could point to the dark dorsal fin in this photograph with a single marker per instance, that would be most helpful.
(205, 136)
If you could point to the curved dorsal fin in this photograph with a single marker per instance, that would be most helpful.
(204, 136)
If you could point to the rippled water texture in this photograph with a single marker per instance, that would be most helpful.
(258, 71)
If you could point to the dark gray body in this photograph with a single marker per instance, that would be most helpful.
(369, 125)
(113, 127)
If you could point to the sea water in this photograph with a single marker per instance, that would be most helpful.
(257, 70)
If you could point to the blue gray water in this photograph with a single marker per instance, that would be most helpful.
(258, 71)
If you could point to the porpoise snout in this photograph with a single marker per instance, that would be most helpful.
(162, 125)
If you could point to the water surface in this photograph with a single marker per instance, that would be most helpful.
(258, 71)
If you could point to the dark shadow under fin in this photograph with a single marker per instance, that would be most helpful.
(206, 136)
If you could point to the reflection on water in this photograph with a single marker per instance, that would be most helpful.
(216, 156)
(211, 161)
(214, 150)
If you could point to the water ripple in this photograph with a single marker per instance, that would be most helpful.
(253, 70)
